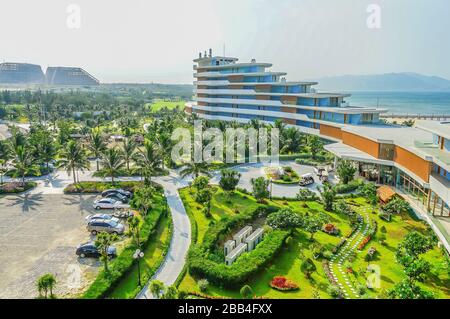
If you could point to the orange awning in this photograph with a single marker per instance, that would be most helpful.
(385, 193)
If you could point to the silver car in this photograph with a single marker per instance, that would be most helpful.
(105, 225)
(101, 216)
(106, 203)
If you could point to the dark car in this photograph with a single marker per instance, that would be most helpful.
(90, 250)
(118, 196)
(117, 191)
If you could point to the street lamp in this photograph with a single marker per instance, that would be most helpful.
(270, 182)
(138, 254)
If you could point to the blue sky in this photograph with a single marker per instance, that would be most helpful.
(156, 40)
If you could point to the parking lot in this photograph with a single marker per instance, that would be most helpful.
(39, 234)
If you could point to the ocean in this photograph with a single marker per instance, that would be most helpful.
(403, 102)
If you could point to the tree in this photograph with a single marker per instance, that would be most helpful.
(396, 206)
(313, 223)
(407, 290)
(229, 180)
(156, 288)
(285, 218)
(327, 195)
(142, 200)
(369, 190)
(72, 157)
(200, 183)
(260, 188)
(170, 292)
(413, 245)
(23, 162)
(346, 171)
(128, 149)
(47, 151)
(97, 145)
(112, 161)
(417, 270)
(148, 159)
(246, 292)
(204, 197)
(45, 284)
(315, 145)
(308, 267)
(291, 140)
(133, 225)
(103, 242)
(195, 169)
(203, 285)
(4, 156)
(166, 143)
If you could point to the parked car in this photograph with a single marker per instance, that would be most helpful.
(115, 191)
(101, 217)
(118, 196)
(106, 203)
(90, 250)
(120, 213)
(319, 170)
(306, 179)
(105, 225)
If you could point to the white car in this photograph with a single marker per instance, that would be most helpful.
(102, 217)
(107, 203)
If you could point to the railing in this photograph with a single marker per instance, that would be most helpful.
(417, 116)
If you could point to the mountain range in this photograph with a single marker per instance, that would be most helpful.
(384, 82)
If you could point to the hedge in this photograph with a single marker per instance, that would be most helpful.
(106, 281)
(349, 187)
(200, 265)
(95, 187)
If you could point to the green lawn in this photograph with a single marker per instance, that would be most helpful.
(153, 257)
(169, 104)
(288, 262)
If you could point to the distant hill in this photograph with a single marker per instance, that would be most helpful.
(384, 82)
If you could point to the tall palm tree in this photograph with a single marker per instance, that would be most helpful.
(104, 240)
(23, 162)
(112, 161)
(4, 157)
(97, 144)
(72, 157)
(128, 149)
(166, 144)
(291, 140)
(148, 159)
(46, 151)
(195, 169)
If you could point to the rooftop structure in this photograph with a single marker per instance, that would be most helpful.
(69, 76)
(21, 73)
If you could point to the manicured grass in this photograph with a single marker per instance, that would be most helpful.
(288, 262)
(98, 187)
(169, 104)
(153, 257)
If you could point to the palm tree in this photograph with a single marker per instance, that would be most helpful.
(112, 161)
(96, 144)
(156, 287)
(315, 145)
(148, 160)
(46, 151)
(133, 225)
(291, 140)
(103, 241)
(128, 148)
(4, 156)
(72, 157)
(45, 284)
(23, 162)
(195, 169)
(165, 143)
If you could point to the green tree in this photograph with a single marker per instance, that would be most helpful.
(369, 190)
(327, 195)
(133, 225)
(396, 206)
(204, 197)
(195, 169)
(156, 288)
(229, 180)
(315, 145)
(46, 151)
(112, 162)
(407, 290)
(97, 145)
(128, 149)
(166, 143)
(72, 157)
(308, 267)
(346, 171)
(170, 292)
(413, 245)
(285, 218)
(291, 140)
(246, 292)
(103, 242)
(23, 161)
(200, 183)
(312, 223)
(417, 270)
(148, 159)
(260, 187)
(45, 285)
(4, 157)
(142, 200)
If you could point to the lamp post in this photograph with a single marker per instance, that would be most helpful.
(270, 182)
(138, 254)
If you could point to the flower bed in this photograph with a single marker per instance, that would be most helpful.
(326, 269)
(366, 239)
(330, 229)
(16, 187)
(283, 284)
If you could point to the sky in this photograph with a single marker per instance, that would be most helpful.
(156, 40)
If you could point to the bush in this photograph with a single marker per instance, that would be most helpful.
(283, 284)
(334, 291)
(284, 219)
(203, 285)
(16, 187)
(98, 187)
(349, 187)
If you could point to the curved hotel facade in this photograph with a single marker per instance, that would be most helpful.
(415, 160)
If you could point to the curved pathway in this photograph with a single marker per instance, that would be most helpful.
(336, 263)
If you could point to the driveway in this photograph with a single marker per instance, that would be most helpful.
(39, 234)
